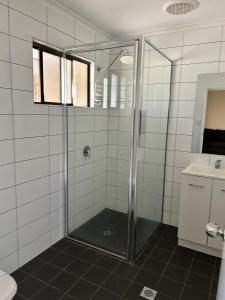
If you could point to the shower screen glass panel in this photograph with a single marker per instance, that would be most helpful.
(99, 143)
(152, 143)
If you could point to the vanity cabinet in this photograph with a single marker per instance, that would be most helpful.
(202, 201)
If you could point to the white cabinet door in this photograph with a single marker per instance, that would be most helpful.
(194, 208)
(217, 214)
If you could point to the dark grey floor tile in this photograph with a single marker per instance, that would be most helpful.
(32, 266)
(202, 268)
(62, 244)
(184, 251)
(48, 293)
(75, 250)
(181, 261)
(62, 260)
(214, 287)
(154, 265)
(96, 275)
(78, 267)
(116, 284)
(82, 290)
(160, 254)
(176, 273)
(147, 278)
(46, 273)
(205, 258)
(48, 254)
(126, 270)
(90, 255)
(191, 293)
(104, 295)
(29, 287)
(170, 287)
(133, 292)
(166, 244)
(63, 281)
(107, 262)
(199, 282)
(19, 275)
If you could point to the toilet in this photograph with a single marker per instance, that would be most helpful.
(8, 286)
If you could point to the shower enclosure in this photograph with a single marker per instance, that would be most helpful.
(116, 147)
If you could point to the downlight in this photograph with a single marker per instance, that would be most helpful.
(180, 7)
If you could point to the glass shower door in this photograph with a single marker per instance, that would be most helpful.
(98, 182)
(154, 108)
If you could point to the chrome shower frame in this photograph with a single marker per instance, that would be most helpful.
(138, 44)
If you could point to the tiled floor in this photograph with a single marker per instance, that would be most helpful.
(70, 271)
(108, 229)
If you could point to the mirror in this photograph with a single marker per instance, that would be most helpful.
(209, 122)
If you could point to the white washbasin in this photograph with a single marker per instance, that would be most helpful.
(205, 171)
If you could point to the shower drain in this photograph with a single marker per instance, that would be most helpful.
(107, 232)
(148, 293)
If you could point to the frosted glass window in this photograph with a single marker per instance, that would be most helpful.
(114, 88)
(36, 76)
(80, 84)
(51, 77)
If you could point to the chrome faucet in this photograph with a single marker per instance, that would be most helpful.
(218, 163)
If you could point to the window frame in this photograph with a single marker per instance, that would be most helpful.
(48, 49)
(88, 63)
(43, 48)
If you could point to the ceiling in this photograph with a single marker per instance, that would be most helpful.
(121, 17)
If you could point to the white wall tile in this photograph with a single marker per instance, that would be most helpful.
(6, 152)
(4, 47)
(186, 109)
(33, 231)
(33, 249)
(23, 104)
(59, 39)
(8, 199)
(32, 190)
(25, 27)
(61, 22)
(31, 169)
(29, 148)
(10, 263)
(30, 125)
(5, 80)
(7, 176)
(35, 9)
(4, 19)
(189, 73)
(168, 40)
(184, 126)
(84, 33)
(8, 222)
(32, 211)
(204, 35)
(22, 78)
(8, 245)
(5, 101)
(21, 52)
(201, 53)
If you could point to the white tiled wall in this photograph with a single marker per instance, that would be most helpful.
(31, 206)
(195, 52)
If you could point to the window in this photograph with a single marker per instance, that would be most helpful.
(47, 77)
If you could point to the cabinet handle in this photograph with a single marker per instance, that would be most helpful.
(197, 185)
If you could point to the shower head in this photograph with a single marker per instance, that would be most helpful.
(126, 58)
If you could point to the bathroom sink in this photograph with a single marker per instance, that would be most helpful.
(205, 171)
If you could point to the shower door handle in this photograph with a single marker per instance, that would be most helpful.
(140, 122)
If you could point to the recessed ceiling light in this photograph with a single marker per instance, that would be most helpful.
(181, 7)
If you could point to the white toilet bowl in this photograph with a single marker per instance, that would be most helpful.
(8, 286)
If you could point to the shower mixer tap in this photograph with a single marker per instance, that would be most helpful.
(87, 151)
